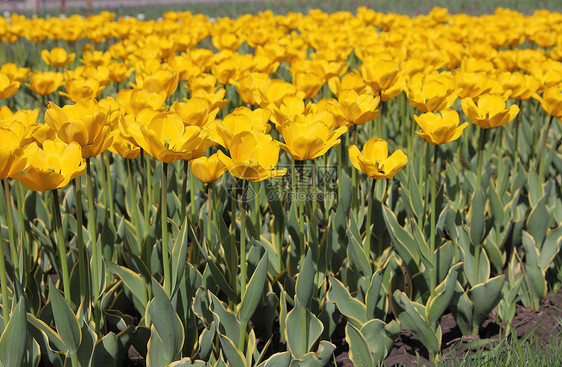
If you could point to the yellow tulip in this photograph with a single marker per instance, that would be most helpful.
(124, 147)
(520, 86)
(84, 123)
(52, 167)
(208, 169)
(12, 158)
(44, 83)
(162, 80)
(440, 128)
(253, 157)
(308, 137)
(358, 108)
(240, 120)
(77, 89)
(194, 112)
(118, 71)
(551, 101)
(379, 73)
(429, 93)
(374, 160)
(138, 99)
(57, 57)
(168, 139)
(96, 58)
(8, 87)
(489, 112)
(14, 72)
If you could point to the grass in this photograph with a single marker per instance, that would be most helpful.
(409, 7)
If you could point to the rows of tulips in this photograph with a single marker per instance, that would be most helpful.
(241, 191)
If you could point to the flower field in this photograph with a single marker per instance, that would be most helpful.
(237, 192)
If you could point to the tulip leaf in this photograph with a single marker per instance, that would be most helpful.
(403, 241)
(282, 359)
(380, 337)
(134, 282)
(299, 318)
(537, 222)
(550, 248)
(106, 351)
(179, 254)
(233, 355)
(477, 216)
(415, 323)
(374, 294)
(253, 292)
(13, 341)
(484, 297)
(415, 195)
(87, 344)
(305, 280)
(359, 351)
(321, 357)
(533, 273)
(187, 362)
(167, 323)
(437, 304)
(226, 322)
(351, 308)
(65, 320)
(355, 250)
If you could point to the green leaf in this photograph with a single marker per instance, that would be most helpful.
(485, 297)
(253, 292)
(305, 280)
(277, 360)
(437, 304)
(167, 323)
(380, 337)
(416, 324)
(537, 223)
(133, 281)
(550, 248)
(300, 318)
(350, 307)
(13, 341)
(403, 241)
(319, 358)
(355, 250)
(106, 351)
(187, 362)
(66, 322)
(179, 254)
(359, 351)
(233, 355)
(373, 294)
(477, 224)
(226, 321)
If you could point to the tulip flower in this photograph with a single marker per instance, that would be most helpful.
(208, 169)
(551, 101)
(12, 158)
(45, 83)
(240, 120)
(79, 88)
(253, 157)
(57, 57)
(194, 112)
(440, 128)
(52, 167)
(162, 80)
(380, 73)
(429, 93)
(14, 72)
(375, 161)
(358, 108)
(167, 138)
(489, 112)
(8, 87)
(84, 123)
(308, 137)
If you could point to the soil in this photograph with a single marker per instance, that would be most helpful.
(408, 351)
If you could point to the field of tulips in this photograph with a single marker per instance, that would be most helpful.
(237, 192)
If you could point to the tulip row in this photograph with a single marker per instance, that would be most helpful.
(173, 256)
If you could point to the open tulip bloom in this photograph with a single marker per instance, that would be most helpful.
(440, 127)
(375, 162)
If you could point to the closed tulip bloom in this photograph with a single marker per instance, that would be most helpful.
(124, 147)
(375, 162)
(489, 112)
(379, 73)
(440, 128)
(471, 84)
(551, 101)
(308, 137)
(12, 158)
(168, 139)
(44, 83)
(429, 93)
(8, 87)
(52, 167)
(194, 112)
(518, 85)
(162, 80)
(358, 108)
(240, 120)
(308, 83)
(208, 169)
(285, 109)
(57, 57)
(14, 72)
(79, 88)
(253, 157)
(118, 71)
(84, 123)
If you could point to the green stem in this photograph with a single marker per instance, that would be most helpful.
(82, 263)
(427, 167)
(301, 218)
(242, 241)
(354, 177)
(482, 140)
(24, 243)
(164, 213)
(433, 273)
(11, 228)
(209, 210)
(96, 252)
(369, 221)
(183, 210)
(134, 206)
(109, 188)
(3, 280)
(541, 160)
(61, 247)
(192, 197)
(256, 213)
(516, 141)
(144, 190)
